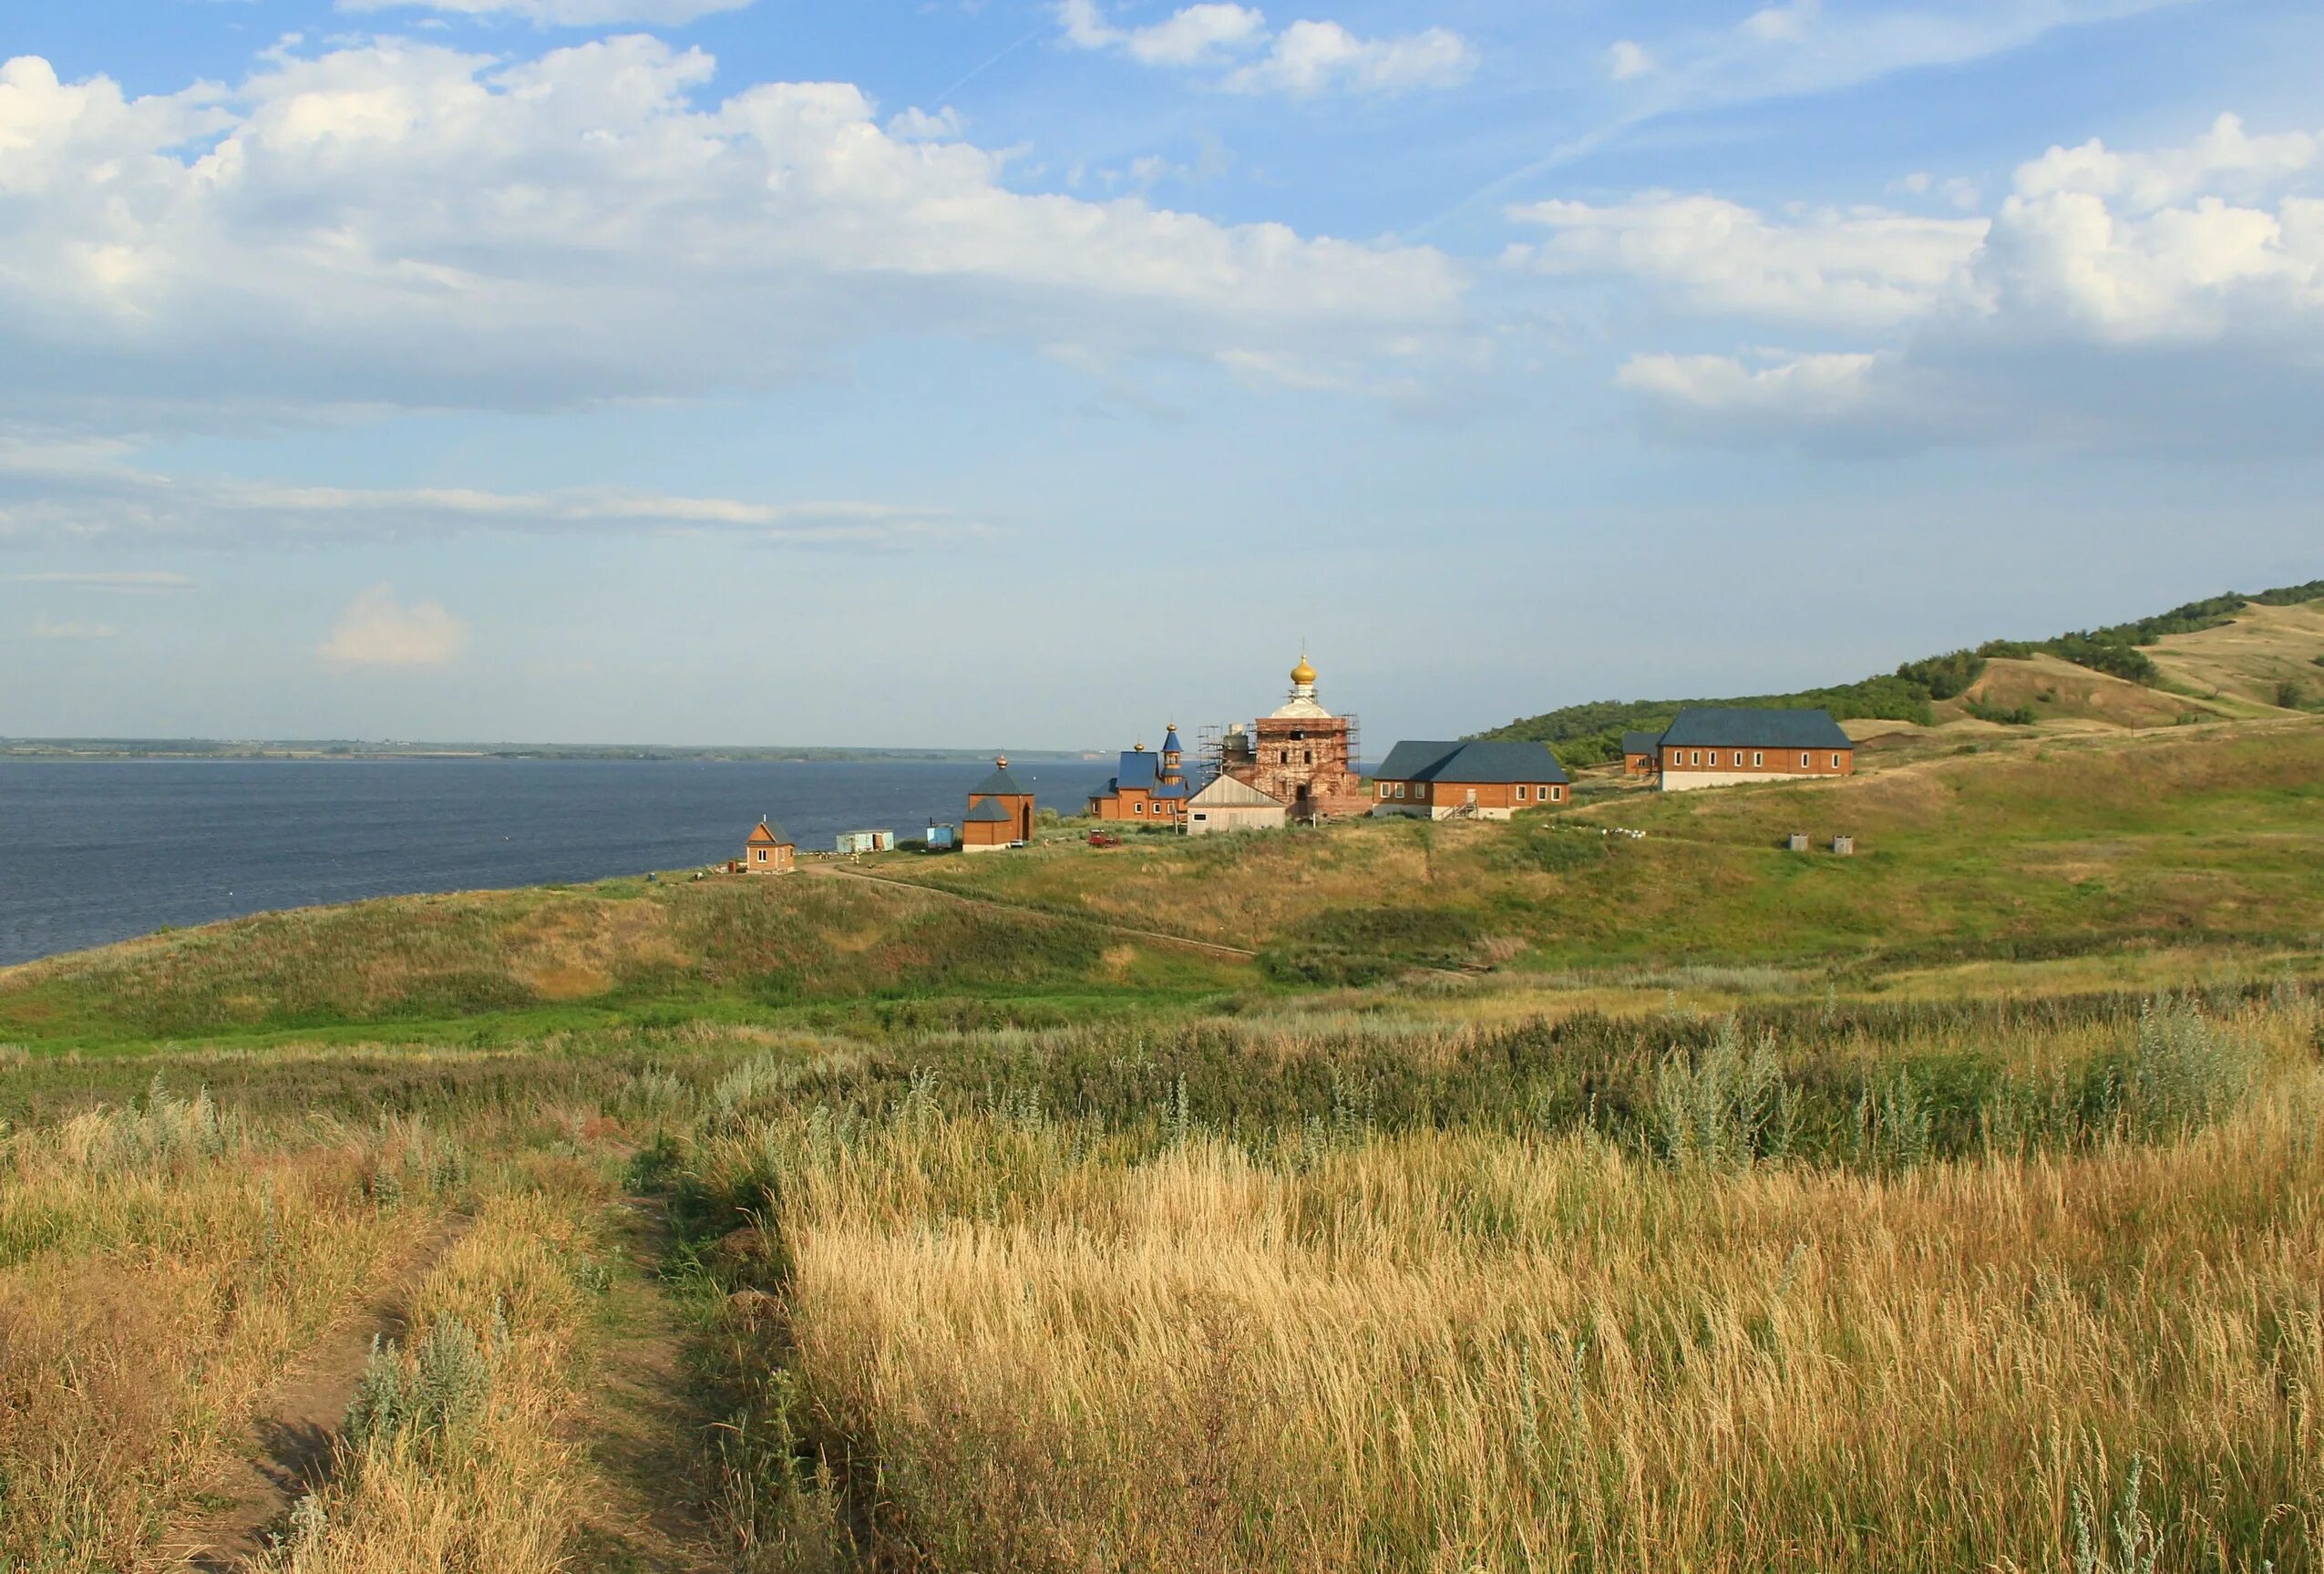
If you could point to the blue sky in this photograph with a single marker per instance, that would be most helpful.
(1022, 373)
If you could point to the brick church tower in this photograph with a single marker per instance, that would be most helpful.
(1301, 755)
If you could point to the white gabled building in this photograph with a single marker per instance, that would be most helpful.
(1227, 805)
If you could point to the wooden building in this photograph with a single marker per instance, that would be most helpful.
(1640, 754)
(1147, 789)
(1301, 755)
(1717, 747)
(999, 813)
(1227, 805)
(769, 850)
(1482, 780)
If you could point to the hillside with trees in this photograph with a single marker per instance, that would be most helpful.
(1592, 733)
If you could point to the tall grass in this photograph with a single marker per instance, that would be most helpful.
(1463, 1351)
(2060, 1314)
(160, 1264)
(454, 1454)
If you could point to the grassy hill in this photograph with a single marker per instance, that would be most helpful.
(1535, 1197)
(2060, 845)
(2009, 845)
(2227, 655)
(534, 960)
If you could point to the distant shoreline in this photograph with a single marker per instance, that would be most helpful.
(268, 749)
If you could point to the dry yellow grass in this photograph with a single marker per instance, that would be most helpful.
(2072, 697)
(2247, 658)
(1462, 1351)
(489, 1480)
(160, 1268)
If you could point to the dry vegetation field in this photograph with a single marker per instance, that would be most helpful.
(1930, 1211)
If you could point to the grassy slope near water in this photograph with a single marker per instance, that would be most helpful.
(506, 964)
(2210, 832)
(2030, 849)
(1016, 1244)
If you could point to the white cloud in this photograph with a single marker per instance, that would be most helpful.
(1960, 193)
(43, 628)
(919, 125)
(1311, 58)
(1627, 58)
(51, 498)
(1781, 24)
(564, 13)
(1825, 265)
(1304, 60)
(2224, 160)
(1197, 35)
(408, 225)
(2173, 297)
(377, 630)
(1698, 70)
(117, 582)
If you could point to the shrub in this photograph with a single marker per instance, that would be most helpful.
(2185, 1071)
(1946, 676)
(440, 1390)
(1727, 1106)
(2291, 695)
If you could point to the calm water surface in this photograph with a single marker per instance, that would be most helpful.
(95, 851)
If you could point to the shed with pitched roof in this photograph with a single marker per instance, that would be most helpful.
(768, 850)
(1227, 805)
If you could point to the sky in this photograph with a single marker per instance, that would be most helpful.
(1034, 373)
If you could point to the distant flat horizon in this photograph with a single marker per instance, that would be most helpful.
(390, 748)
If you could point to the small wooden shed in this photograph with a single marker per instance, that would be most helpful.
(769, 850)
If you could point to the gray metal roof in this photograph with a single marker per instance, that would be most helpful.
(1483, 761)
(1640, 743)
(1721, 727)
(986, 811)
(1000, 784)
(773, 828)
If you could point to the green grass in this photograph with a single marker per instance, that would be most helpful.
(1985, 1158)
(2044, 848)
(497, 966)
(2213, 833)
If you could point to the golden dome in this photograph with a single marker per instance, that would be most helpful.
(1303, 674)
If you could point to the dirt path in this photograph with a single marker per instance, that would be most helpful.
(287, 1450)
(640, 1426)
(978, 900)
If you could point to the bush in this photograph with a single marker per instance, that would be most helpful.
(1946, 676)
(2185, 1071)
(2291, 695)
(442, 1389)
(1727, 1106)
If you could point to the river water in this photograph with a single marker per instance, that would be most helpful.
(95, 851)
